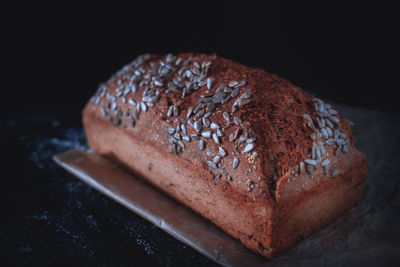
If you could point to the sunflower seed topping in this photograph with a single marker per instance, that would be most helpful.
(183, 128)
(189, 112)
(217, 178)
(215, 126)
(215, 138)
(132, 102)
(176, 110)
(206, 134)
(202, 144)
(235, 163)
(170, 111)
(335, 172)
(226, 116)
(248, 148)
(197, 126)
(310, 169)
(216, 159)
(222, 151)
(171, 130)
(206, 122)
(325, 162)
(209, 83)
(212, 164)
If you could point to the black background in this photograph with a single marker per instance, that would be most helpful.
(346, 53)
(54, 57)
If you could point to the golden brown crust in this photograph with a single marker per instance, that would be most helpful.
(262, 129)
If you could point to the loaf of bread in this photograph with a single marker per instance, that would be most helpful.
(257, 156)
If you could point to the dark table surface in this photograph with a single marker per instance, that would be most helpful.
(51, 218)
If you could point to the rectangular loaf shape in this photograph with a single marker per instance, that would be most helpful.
(260, 158)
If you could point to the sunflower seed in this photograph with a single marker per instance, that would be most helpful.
(237, 120)
(212, 164)
(210, 154)
(340, 141)
(313, 152)
(345, 149)
(189, 112)
(217, 178)
(197, 126)
(134, 88)
(235, 163)
(218, 97)
(209, 82)
(215, 138)
(329, 131)
(335, 172)
(310, 161)
(324, 133)
(332, 111)
(326, 169)
(186, 138)
(235, 92)
(330, 141)
(329, 123)
(171, 130)
(226, 116)
(233, 83)
(170, 111)
(195, 136)
(181, 144)
(248, 148)
(202, 144)
(301, 167)
(323, 150)
(335, 119)
(206, 122)
(127, 91)
(318, 153)
(220, 133)
(199, 114)
(337, 151)
(132, 102)
(177, 136)
(227, 90)
(250, 140)
(210, 107)
(234, 108)
(143, 106)
(216, 159)
(183, 128)
(310, 169)
(222, 151)
(220, 88)
(206, 134)
(231, 137)
(215, 126)
(326, 162)
(207, 114)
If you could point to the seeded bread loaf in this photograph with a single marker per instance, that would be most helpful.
(259, 157)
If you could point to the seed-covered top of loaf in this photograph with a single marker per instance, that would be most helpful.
(240, 118)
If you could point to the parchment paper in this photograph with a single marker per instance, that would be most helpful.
(368, 235)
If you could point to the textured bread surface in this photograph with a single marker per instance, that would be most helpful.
(259, 157)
